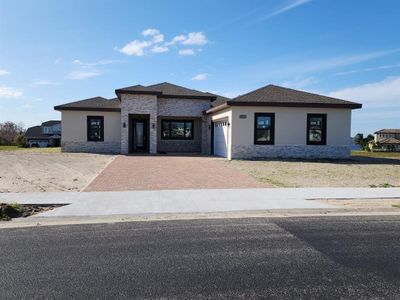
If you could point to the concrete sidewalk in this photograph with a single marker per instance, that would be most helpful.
(190, 201)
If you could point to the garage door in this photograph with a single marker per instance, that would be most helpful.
(221, 138)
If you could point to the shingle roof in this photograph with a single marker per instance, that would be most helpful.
(220, 100)
(96, 103)
(51, 123)
(165, 89)
(392, 131)
(277, 94)
(272, 95)
(35, 132)
(389, 141)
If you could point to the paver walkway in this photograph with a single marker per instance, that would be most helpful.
(170, 172)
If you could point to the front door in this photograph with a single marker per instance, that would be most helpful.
(139, 135)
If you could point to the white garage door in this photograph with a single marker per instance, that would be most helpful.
(221, 138)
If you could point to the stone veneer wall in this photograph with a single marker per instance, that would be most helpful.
(290, 151)
(171, 107)
(138, 104)
(91, 147)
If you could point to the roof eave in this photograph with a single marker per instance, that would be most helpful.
(217, 108)
(282, 104)
(60, 108)
(297, 104)
(118, 92)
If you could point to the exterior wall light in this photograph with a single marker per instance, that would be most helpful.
(124, 125)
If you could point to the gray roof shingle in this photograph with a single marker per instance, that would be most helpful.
(272, 95)
(277, 94)
(166, 89)
(51, 123)
(392, 131)
(96, 103)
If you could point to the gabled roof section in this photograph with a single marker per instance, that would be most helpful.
(389, 141)
(220, 100)
(33, 131)
(166, 90)
(272, 95)
(50, 123)
(389, 131)
(92, 104)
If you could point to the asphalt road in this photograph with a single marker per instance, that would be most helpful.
(276, 258)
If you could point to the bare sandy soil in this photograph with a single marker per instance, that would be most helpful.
(48, 171)
(356, 172)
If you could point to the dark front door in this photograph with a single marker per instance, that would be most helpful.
(139, 135)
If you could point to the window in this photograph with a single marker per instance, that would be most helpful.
(264, 128)
(177, 129)
(95, 128)
(316, 129)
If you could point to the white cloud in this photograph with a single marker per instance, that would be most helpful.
(159, 49)
(384, 67)
(158, 38)
(96, 63)
(80, 75)
(4, 72)
(298, 83)
(177, 39)
(385, 93)
(27, 105)
(186, 52)
(150, 31)
(8, 92)
(293, 4)
(157, 45)
(195, 38)
(135, 48)
(43, 82)
(202, 76)
(287, 67)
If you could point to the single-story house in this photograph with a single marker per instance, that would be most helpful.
(48, 134)
(386, 140)
(270, 122)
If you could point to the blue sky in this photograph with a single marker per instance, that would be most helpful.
(53, 52)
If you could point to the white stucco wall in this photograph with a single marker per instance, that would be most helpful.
(290, 133)
(291, 125)
(74, 132)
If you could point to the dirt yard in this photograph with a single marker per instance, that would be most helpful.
(48, 170)
(360, 171)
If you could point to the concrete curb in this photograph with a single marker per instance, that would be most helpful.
(38, 221)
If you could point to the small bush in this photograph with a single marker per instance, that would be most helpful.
(9, 211)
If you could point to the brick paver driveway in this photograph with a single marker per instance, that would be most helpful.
(170, 172)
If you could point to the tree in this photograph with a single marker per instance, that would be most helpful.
(10, 133)
(363, 142)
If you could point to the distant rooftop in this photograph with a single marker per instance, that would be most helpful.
(392, 131)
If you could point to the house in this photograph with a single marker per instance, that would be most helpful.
(386, 140)
(48, 134)
(271, 121)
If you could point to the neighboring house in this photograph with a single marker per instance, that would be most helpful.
(164, 118)
(46, 135)
(386, 140)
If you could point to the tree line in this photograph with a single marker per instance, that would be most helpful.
(12, 134)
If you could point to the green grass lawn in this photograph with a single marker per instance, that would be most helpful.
(40, 150)
(10, 148)
(376, 154)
